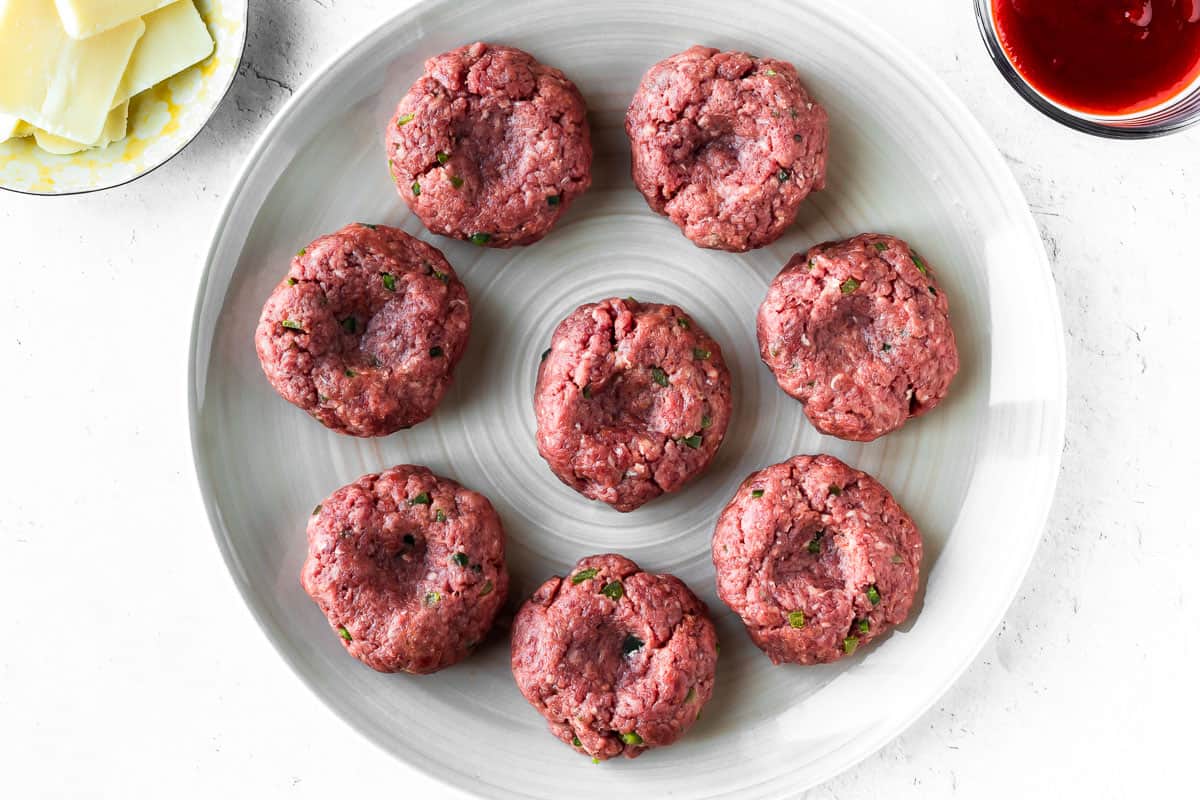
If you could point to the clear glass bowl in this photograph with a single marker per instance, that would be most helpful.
(1178, 113)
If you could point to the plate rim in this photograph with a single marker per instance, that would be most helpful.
(978, 141)
(233, 75)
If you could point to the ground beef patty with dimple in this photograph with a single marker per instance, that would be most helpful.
(859, 332)
(816, 558)
(408, 567)
(616, 659)
(365, 330)
(490, 146)
(727, 145)
(632, 400)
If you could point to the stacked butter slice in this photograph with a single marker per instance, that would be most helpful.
(69, 68)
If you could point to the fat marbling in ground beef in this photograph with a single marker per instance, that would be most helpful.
(616, 659)
(364, 331)
(817, 559)
(408, 567)
(859, 332)
(490, 146)
(632, 400)
(727, 145)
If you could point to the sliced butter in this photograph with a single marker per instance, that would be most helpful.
(9, 127)
(84, 18)
(175, 38)
(114, 130)
(61, 85)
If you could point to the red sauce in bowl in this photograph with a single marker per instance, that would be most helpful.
(1103, 57)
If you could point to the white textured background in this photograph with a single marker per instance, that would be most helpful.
(129, 667)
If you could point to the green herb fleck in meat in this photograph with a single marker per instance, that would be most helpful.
(873, 594)
(546, 353)
(897, 559)
(684, 323)
(433, 598)
(407, 118)
(436, 352)
(442, 158)
(864, 626)
(920, 264)
(345, 634)
(291, 323)
(456, 181)
(441, 276)
(316, 509)
(886, 347)
(553, 200)
(783, 175)
(583, 575)
(613, 591)
(706, 421)
(369, 225)
(700, 354)
(933, 291)
(461, 559)
(850, 644)
(389, 281)
(421, 500)
(835, 490)
(487, 589)
(659, 376)
(691, 695)
(576, 742)
(349, 373)
(814, 544)
(350, 325)
(301, 251)
(880, 247)
(291, 281)
(480, 238)
(440, 516)
(631, 644)
(587, 391)
(416, 188)
(757, 493)
(694, 441)
(796, 619)
(849, 285)
(631, 738)
(770, 73)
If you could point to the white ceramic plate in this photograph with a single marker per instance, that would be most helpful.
(163, 120)
(977, 475)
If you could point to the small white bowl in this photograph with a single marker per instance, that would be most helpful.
(162, 120)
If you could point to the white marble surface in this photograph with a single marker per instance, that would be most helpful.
(131, 668)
